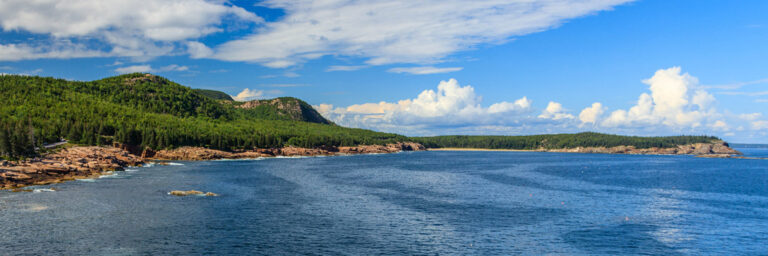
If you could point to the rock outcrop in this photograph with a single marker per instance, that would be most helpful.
(714, 149)
(191, 193)
(199, 153)
(67, 164)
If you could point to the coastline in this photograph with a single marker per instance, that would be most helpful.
(74, 163)
(717, 149)
(87, 162)
(480, 149)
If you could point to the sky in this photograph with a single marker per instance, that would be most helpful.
(515, 67)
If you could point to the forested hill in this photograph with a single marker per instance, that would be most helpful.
(558, 141)
(213, 94)
(145, 110)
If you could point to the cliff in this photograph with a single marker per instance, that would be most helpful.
(285, 108)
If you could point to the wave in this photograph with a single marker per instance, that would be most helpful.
(108, 175)
(87, 180)
(38, 190)
(175, 164)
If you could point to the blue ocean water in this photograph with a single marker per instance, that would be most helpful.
(413, 203)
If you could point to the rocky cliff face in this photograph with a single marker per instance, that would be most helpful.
(288, 108)
(67, 164)
(715, 148)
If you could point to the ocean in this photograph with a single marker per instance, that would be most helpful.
(410, 203)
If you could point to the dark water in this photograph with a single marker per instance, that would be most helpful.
(422, 203)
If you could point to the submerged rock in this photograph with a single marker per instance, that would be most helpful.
(191, 192)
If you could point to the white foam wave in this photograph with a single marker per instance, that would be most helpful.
(175, 164)
(38, 190)
(108, 175)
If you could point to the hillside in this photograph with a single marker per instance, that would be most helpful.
(213, 94)
(284, 108)
(147, 111)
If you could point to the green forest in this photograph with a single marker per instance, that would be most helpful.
(557, 141)
(147, 111)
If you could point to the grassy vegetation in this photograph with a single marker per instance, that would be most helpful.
(557, 141)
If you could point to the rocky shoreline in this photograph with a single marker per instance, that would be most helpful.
(717, 149)
(87, 162)
(66, 164)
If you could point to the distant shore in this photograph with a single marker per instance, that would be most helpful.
(479, 149)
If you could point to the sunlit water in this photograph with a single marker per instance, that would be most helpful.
(426, 203)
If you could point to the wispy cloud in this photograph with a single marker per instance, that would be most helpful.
(737, 85)
(397, 31)
(751, 94)
(345, 68)
(423, 70)
(148, 68)
(284, 85)
(137, 29)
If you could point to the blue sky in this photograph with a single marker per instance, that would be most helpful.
(430, 67)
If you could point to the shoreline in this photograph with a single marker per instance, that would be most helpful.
(86, 162)
(81, 162)
(481, 149)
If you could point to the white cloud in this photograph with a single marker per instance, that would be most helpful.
(555, 111)
(751, 116)
(759, 125)
(424, 70)
(592, 114)
(198, 50)
(148, 69)
(675, 100)
(248, 94)
(56, 50)
(128, 28)
(345, 68)
(397, 31)
(452, 105)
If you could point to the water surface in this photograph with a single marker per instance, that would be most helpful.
(425, 203)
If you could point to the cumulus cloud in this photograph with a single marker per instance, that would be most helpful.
(675, 100)
(148, 69)
(248, 94)
(555, 111)
(452, 105)
(127, 28)
(397, 31)
(592, 114)
(424, 70)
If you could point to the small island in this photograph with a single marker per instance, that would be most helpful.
(54, 130)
